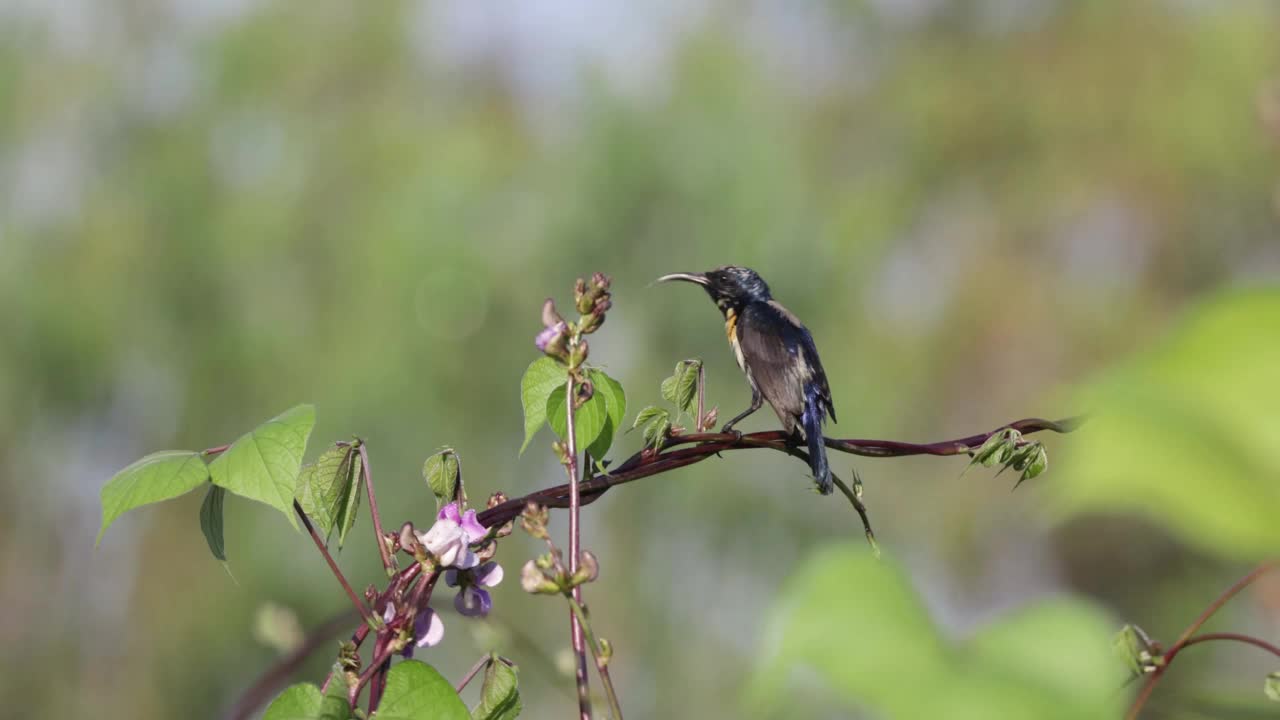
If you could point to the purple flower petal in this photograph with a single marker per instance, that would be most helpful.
(466, 559)
(544, 338)
(472, 527)
(451, 577)
(488, 574)
(428, 628)
(449, 512)
(389, 612)
(473, 602)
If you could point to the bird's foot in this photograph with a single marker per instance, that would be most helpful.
(728, 430)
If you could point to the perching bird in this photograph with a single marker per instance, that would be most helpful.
(777, 354)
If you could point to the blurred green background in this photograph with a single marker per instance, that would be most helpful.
(211, 211)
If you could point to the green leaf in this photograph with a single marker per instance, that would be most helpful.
(541, 377)
(1272, 686)
(415, 691)
(600, 446)
(857, 626)
(1133, 647)
(648, 415)
(304, 702)
(588, 420)
(263, 464)
(443, 474)
(1037, 464)
(615, 399)
(500, 696)
(211, 520)
(156, 477)
(656, 432)
(998, 449)
(615, 402)
(329, 490)
(656, 422)
(1185, 434)
(681, 388)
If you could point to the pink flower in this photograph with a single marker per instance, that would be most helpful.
(548, 340)
(450, 538)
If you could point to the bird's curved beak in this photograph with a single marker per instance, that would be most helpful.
(697, 278)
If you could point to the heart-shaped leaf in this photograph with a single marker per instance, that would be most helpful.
(500, 695)
(416, 691)
(156, 477)
(263, 464)
(588, 420)
(542, 377)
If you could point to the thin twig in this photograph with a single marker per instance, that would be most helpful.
(383, 655)
(602, 663)
(387, 562)
(1234, 637)
(702, 382)
(361, 633)
(378, 683)
(337, 573)
(646, 463)
(1154, 678)
(481, 664)
(575, 625)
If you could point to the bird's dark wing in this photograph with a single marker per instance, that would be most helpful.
(782, 359)
(810, 353)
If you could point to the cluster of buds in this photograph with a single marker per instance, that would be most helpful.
(547, 574)
(563, 340)
(506, 528)
(593, 301)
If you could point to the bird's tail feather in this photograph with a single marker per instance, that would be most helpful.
(812, 421)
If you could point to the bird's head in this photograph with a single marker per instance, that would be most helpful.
(730, 287)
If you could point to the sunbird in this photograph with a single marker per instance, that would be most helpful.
(777, 354)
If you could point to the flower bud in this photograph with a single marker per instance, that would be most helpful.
(535, 581)
(550, 318)
(591, 323)
(583, 392)
(561, 451)
(554, 340)
(578, 353)
(408, 540)
(534, 520)
(348, 656)
(709, 420)
(600, 280)
(586, 303)
(588, 568)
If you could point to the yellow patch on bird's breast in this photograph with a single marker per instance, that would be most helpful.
(731, 325)
(731, 332)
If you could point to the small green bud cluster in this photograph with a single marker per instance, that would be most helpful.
(547, 573)
(564, 340)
